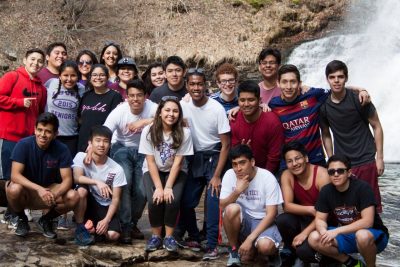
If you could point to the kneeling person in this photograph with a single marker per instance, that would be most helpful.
(250, 197)
(351, 202)
(41, 177)
(100, 189)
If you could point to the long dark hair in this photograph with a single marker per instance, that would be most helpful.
(64, 65)
(108, 44)
(89, 53)
(146, 76)
(156, 129)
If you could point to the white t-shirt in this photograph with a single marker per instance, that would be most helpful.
(206, 123)
(164, 154)
(263, 191)
(111, 173)
(121, 116)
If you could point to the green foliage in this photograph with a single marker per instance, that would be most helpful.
(296, 2)
(258, 4)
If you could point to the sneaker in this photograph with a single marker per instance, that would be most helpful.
(22, 228)
(154, 243)
(82, 236)
(62, 223)
(360, 263)
(193, 245)
(126, 237)
(211, 254)
(46, 227)
(136, 233)
(234, 258)
(170, 244)
(12, 221)
(288, 257)
(28, 214)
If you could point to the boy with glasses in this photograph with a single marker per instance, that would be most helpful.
(352, 204)
(227, 78)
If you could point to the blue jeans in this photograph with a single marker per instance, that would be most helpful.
(6, 148)
(190, 200)
(133, 199)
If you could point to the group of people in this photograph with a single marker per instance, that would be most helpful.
(95, 139)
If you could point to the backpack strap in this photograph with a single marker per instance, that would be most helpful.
(358, 107)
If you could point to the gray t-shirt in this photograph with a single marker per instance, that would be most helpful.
(164, 90)
(65, 106)
(348, 121)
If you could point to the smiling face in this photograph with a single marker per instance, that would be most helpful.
(57, 56)
(268, 67)
(126, 73)
(110, 56)
(296, 162)
(84, 64)
(337, 81)
(100, 145)
(169, 114)
(157, 76)
(227, 84)
(249, 104)
(196, 87)
(290, 86)
(68, 78)
(174, 74)
(44, 134)
(136, 100)
(34, 63)
(98, 78)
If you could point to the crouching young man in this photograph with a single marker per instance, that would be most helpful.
(99, 189)
(41, 177)
(250, 197)
(351, 202)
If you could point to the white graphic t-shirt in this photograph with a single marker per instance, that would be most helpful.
(263, 191)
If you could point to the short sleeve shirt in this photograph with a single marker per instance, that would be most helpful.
(111, 173)
(42, 167)
(163, 153)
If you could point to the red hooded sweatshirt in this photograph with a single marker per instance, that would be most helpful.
(17, 121)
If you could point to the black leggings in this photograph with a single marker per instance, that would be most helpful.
(164, 214)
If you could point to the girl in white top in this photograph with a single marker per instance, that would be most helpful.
(165, 143)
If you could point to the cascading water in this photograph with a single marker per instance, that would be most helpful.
(370, 46)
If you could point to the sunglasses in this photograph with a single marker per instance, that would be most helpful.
(169, 97)
(84, 62)
(196, 70)
(109, 43)
(339, 171)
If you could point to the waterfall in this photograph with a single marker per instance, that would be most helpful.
(369, 44)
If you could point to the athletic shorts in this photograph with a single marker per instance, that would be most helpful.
(97, 212)
(347, 242)
(248, 224)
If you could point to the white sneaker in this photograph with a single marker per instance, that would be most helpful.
(28, 214)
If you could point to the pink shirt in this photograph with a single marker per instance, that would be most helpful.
(267, 94)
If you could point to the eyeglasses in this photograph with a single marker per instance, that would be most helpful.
(98, 75)
(196, 70)
(339, 171)
(109, 43)
(266, 63)
(84, 62)
(295, 160)
(230, 81)
(169, 97)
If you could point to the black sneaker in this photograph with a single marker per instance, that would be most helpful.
(22, 227)
(46, 227)
(125, 237)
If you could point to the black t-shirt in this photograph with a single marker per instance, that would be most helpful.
(348, 121)
(345, 207)
(164, 90)
(93, 110)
